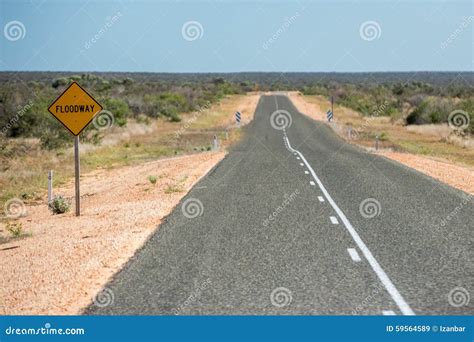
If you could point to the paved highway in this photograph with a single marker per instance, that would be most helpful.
(296, 221)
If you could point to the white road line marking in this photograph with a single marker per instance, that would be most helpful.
(301, 164)
(298, 158)
(321, 198)
(312, 183)
(388, 313)
(306, 172)
(333, 220)
(383, 277)
(354, 255)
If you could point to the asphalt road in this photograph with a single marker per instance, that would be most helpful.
(296, 221)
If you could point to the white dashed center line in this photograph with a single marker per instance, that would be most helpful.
(333, 220)
(383, 277)
(312, 183)
(321, 198)
(306, 172)
(354, 255)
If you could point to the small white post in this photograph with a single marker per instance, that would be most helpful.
(226, 134)
(215, 143)
(377, 142)
(50, 186)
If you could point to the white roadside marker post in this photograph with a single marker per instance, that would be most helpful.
(50, 186)
(215, 145)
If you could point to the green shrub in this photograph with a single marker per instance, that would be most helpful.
(118, 108)
(15, 228)
(152, 179)
(59, 205)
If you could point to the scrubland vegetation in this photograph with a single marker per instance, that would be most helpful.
(32, 141)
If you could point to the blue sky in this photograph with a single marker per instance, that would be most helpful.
(232, 36)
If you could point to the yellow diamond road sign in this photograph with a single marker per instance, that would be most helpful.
(75, 108)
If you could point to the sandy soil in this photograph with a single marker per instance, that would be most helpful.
(66, 260)
(458, 176)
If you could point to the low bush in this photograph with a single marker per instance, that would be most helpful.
(59, 205)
